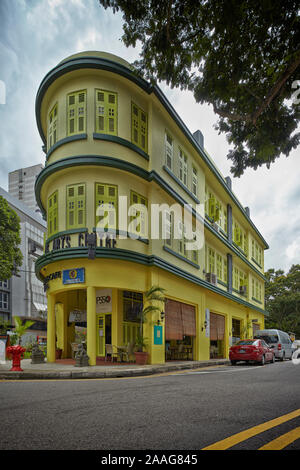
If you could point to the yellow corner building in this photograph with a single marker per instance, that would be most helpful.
(110, 136)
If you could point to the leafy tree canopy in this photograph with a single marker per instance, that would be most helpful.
(282, 295)
(240, 56)
(10, 255)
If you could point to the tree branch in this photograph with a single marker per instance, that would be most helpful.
(277, 87)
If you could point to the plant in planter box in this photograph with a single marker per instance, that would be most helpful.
(154, 294)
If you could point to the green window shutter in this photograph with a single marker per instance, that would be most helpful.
(76, 109)
(71, 207)
(219, 267)
(225, 275)
(106, 194)
(139, 127)
(141, 228)
(106, 112)
(52, 126)
(80, 206)
(211, 260)
(194, 181)
(76, 206)
(52, 214)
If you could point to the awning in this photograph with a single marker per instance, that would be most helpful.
(40, 307)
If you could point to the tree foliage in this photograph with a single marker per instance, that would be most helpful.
(282, 295)
(10, 254)
(240, 56)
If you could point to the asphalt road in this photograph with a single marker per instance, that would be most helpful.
(187, 410)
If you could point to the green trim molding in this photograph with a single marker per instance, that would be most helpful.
(132, 256)
(119, 140)
(66, 140)
(93, 62)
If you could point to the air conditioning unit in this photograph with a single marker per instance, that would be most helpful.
(243, 290)
(212, 278)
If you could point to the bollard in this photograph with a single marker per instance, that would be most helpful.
(16, 352)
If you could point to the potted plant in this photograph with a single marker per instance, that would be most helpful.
(154, 294)
(141, 356)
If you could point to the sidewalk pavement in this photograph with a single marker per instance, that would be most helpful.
(59, 370)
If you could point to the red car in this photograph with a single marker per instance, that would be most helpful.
(251, 350)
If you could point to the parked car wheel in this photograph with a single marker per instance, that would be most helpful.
(233, 363)
(263, 361)
(283, 357)
(273, 358)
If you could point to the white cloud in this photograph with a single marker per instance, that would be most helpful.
(292, 251)
(91, 40)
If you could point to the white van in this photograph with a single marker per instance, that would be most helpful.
(279, 340)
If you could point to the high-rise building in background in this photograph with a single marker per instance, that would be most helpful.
(23, 294)
(21, 185)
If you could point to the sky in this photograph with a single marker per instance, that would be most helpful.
(37, 34)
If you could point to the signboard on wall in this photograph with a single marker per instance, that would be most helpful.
(158, 335)
(103, 300)
(73, 276)
(207, 323)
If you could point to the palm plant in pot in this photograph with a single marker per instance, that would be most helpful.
(154, 294)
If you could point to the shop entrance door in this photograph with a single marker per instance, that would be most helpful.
(217, 332)
(104, 332)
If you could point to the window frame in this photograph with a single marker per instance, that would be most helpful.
(76, 198)
(52, 214)
(139, 127)
(170, 153)
(76, 105)
(106, 114)
(141, 234)
(52, 126)
(106, 198)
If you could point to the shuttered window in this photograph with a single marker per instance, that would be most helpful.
(180, 320)
(194, 182)
(106, 199)
(139, 127)
(106, 112)
(141, 215)
(183, 167)
(52, 214)
(76, 215)
(169, 151)
(52, 126)
(76, 109)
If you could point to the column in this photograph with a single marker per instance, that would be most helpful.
(229, 223)
(91, 325)
(229, 273)
(51, 340)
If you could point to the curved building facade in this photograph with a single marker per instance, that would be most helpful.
(119, 160)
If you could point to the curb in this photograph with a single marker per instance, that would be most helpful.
(86, 374)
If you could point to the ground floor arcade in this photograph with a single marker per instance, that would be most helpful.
(103, 297)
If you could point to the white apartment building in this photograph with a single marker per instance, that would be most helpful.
(23, 295)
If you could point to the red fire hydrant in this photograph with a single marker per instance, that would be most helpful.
(16, 352)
